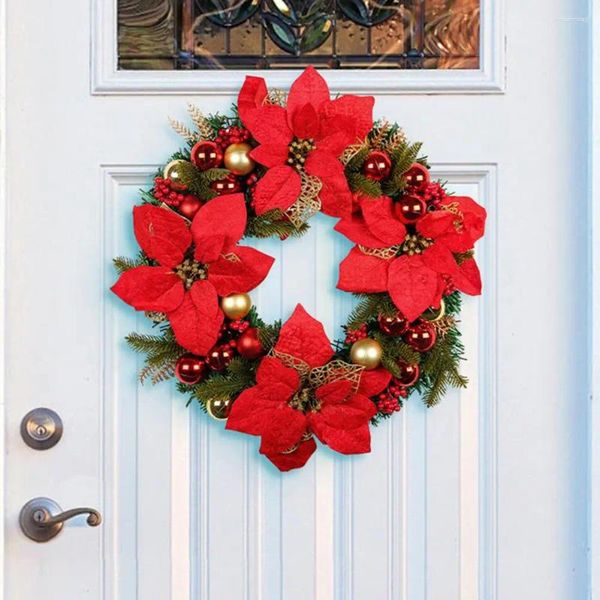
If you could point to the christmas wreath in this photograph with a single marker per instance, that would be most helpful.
(264, 171)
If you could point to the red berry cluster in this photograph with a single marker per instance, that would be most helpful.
(231, 135)
(239, 326)
(433, 194)
(390, 400)
(169, 192)
(353, 335)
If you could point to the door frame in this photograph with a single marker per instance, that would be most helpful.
(592, 296)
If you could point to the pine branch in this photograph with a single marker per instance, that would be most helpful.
(269, 334)
(359, 183)
(356, 162)
(370, 307)
(123, 263)
(239, 376)
(198, 182)
(273, 223)
(461, 257)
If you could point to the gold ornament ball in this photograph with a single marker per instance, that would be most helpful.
(219, 409)
(237, 159)
(433, 314)
(173, 170)
(366, 353)
(236, 306)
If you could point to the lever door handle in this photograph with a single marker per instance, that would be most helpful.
(42, 519)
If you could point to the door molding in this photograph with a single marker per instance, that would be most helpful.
(3, 104)
(594, 306)
(106, 78)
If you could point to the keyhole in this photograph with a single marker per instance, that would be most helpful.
(39, 516)
(41, 431)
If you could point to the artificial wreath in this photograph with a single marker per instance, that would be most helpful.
(264, 171)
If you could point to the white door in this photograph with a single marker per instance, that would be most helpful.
(481, 497)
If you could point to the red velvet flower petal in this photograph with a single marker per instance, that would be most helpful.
(278, 188)
(162, 234)
(296, 459)
(474, 215)
(380, 219)
(150, 288)
(270, 155)
(412, 285)
(355, 411)
(437, 223)
(335, 195)
(374, 382)
(272, 370)
(468, 278)
(269, 125)
(345, 121)
(305, 122)
(285, 429)
(251, 96)
(218, 226)
(255, 409)
(309, 88)
(362, 273)
(356, 230)
(345, 441)
(303, 337)
(440, 259)
(197, 322)
(334, 393)
(242, 274)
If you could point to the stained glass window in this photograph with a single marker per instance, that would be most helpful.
(272, 34)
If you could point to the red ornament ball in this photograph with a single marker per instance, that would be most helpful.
(229, 185)
(408, 374)
(417, 176)
(220, 357)
(248, 344)
(206, 155)
(189, 206)
(189, 369)
(421, 336)
(377, 165)
(410, 208)
(395, 325)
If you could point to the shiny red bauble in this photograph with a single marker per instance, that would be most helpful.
(393, 325)
(189, 206)
(206, 155)
(229, 185)
(417, 176)
(220, 357)
(189, 369)
(421, 336)
(378, 165)
(248, 344)
(410, 208)
(408, 374)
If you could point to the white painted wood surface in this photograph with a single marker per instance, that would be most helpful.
(482, 497)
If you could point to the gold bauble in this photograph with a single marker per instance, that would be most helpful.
(433, 314)
(173, 170)
(236, 306)
(237, 159)
(366, 353)
(219, 408)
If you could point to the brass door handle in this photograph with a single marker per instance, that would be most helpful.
(42, 519)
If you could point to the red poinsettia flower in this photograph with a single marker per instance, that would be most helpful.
(286, 412)
(196, 264)
(309, 135)
(414, 282)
